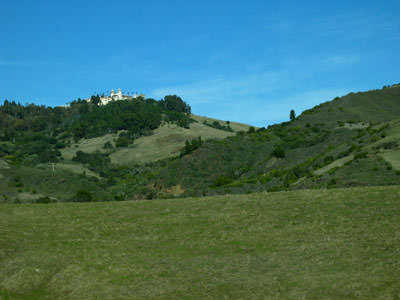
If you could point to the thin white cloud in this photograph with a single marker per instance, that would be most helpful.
(277, 110)
(261, 98)
(343, 60)
(13, 64)
(346, 26)
(217, 89)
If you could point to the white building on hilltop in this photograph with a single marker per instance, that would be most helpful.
(116, 96)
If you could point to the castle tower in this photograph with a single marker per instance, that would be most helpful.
(119, 94)
(112, 92)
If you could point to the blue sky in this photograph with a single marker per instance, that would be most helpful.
(246, 61)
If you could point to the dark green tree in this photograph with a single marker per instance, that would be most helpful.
(95, 99)
(292, 115)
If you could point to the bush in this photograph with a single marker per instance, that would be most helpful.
(361, 155)
(45, 200)
(122, 141)
(83, 196)
(97, 161)
(107, 145)
(222, 180)
(278, 152)
(190, 146)
(332, 183)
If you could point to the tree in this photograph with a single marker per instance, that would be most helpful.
(191, 146)
(292, 115)
(175, 103)
(95, 99)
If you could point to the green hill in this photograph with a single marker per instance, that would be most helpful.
(310, 244)
(88, 147)
(363, 107)
(350, 141)
(158, 149)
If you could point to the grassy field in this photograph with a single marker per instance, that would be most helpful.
(319, 244)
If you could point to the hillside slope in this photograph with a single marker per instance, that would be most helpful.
(165, 141)
(350, 141)
(363, 107)
(60, 158)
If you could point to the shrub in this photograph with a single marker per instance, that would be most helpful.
(361, 155)
(278, 152)
(222, 180)
(122, 141)
(190, 146)
(107, 145)
(45, 200)
(331, 183)
(83, 196)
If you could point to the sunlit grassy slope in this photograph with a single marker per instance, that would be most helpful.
(166, 141)
(319, 244)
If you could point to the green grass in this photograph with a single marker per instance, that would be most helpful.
(88, 145)
(335, 164)
(4, 165)
(234, 125)
(392, 157)
(355, 125)
(167, 141)
(40, 180)
(320, 244)
(74, 168)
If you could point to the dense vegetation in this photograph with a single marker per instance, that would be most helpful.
(336, 144)
(350, 141)
(32, 133)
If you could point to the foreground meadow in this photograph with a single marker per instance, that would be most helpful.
(311, 244)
